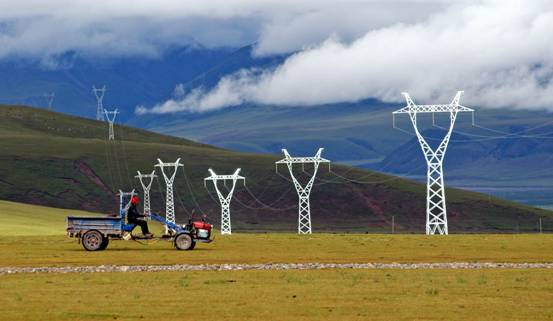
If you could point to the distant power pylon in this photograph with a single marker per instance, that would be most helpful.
(110, 117)
(125, 201)
(99, 93)
(146, 186)
(304, 210)
(49, 97)
(169, 198)
(225, 200)
(436, 213)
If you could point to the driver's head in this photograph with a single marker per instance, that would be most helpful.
(135, 200)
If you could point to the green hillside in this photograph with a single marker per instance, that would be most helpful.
(62, 161)
(24, 220)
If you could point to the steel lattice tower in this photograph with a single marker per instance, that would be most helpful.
(99, 93)
(110, 117)
(124, 206)
(146, 188)
(169, 198)
(304, 210)
(225, 200)
(436, 212)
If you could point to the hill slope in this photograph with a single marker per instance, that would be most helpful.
(62, 161)
(23, 219)
(514, 166)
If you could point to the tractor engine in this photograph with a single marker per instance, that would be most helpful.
(203, 229)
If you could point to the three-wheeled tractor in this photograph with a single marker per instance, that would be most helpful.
(95, 232)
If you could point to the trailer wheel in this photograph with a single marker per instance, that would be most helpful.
(183, 241)
(92, 240)
(104, 244)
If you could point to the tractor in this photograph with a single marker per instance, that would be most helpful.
(95, 232)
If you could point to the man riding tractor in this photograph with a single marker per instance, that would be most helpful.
(136, 218)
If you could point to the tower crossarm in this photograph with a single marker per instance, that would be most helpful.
(162, 165)
(141, 177)
(215, 177)
(454, 106)
(303, 160)
(110, 115)
(433, 109)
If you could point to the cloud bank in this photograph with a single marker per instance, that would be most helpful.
(499, 51)
(39, 29)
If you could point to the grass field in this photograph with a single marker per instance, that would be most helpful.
(486, 294)
(34, 236)
(285, 248)
(281, 295)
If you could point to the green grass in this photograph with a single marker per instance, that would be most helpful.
(392, 295)
(23, 220)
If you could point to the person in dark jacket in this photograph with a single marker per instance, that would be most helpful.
(136, 218)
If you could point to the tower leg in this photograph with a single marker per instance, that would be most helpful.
(304, 217)
(147, 209)
(225, 219)
(111, 135)
(436, 214)
(169, 208)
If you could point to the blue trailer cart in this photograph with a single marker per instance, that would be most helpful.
(95, 232)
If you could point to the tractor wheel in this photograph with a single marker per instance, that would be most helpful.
(92, 240)
(104, 244)
(183, 241)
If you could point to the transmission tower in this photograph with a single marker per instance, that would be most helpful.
(99, 93)
(146, 186)
(123, 204)
(49, 97)
(225, 200)
(436, 213)
(110, 117)
(304, 211)
(169, 199)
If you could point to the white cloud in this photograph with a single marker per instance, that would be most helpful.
(41, 29)
(499, 51)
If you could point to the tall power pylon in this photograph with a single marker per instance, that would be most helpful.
(226, 227)
(146, 186)
(304, 210)
(169, 198)
(99, 93)
(124, 206)
(110, 117)
(436, 212)
(49, 97)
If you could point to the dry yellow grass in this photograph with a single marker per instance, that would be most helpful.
(285, 248)
(393, 295)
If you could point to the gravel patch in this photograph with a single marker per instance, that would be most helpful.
(270, 266)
